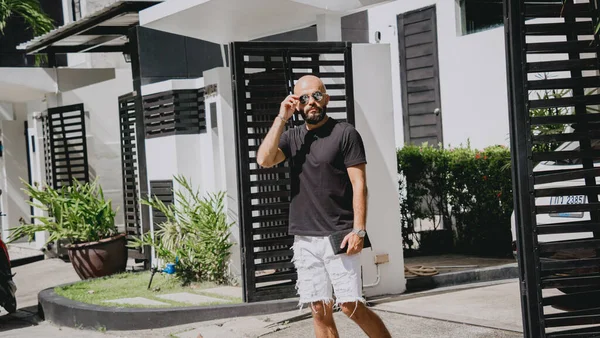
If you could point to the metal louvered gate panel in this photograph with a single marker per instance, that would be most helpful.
(129, 170)
(163, 191)
(560, 277)
(65, 146)
(175, 112)
(263, 75)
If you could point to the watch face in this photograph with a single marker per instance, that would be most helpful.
(360, 233)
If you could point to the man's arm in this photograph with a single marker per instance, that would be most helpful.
(269, 154)
(358, 178)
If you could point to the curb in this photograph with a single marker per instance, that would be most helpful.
(65, 312)
(26, 260)
(508, 271)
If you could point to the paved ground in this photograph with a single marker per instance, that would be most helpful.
(400, 326)
(476, 310)
(22, 250)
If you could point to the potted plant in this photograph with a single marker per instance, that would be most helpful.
(79, 215)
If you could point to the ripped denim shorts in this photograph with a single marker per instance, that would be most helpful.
(319, 269)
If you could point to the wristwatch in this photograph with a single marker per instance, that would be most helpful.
(361, 233)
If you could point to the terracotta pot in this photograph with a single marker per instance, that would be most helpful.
(97, 259)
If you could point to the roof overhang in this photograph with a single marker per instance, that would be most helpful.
(224, 21)
(101, 32)
(24, 84)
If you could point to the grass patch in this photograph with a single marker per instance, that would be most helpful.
(134, 284)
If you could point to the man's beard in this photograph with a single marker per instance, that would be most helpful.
(315, 118)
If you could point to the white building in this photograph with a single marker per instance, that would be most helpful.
(420, 73)
(28, 93)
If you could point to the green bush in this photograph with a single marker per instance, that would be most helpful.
(468, 189)
(77, 213)
(195, 236)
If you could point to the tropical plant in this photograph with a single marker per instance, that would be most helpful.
(30, 11)
(549, 129)
(78, 213)
(195, 236)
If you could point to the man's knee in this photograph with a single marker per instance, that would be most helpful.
(353, 309)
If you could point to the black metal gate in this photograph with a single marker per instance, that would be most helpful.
(65, 146)
(553, 77)
(130, 171)
(264, 74)
(163, 191)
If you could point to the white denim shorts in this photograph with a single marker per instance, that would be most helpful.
(319, 269)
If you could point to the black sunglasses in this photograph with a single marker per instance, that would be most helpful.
(318, 96)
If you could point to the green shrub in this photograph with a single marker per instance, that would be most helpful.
(469, 190)
(77, 213)
(195, 236)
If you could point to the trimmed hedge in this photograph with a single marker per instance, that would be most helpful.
(464, 191)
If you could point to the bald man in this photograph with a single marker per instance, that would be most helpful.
(329, 194)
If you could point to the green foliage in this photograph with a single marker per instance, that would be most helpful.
(30, 11)
(549, 129)
(468, 189)
(78, 213)
(195, 236)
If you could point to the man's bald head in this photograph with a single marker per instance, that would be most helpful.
(308, 83)
(313, 105)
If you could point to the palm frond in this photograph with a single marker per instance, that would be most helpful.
(30, 10)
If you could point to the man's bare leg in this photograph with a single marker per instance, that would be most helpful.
(366, 319)
(323, 320)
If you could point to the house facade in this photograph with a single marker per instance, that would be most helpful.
(28, 95)
(416, 71)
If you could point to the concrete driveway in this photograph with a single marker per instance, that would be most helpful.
(475, 310)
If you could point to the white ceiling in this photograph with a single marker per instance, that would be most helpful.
(224, 21)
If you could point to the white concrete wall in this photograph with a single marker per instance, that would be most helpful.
(226, 168)
(472, 74)
(14, 160)
(103, 132)
(186, 155)
(374, 121)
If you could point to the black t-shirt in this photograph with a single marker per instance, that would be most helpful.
(321, 188)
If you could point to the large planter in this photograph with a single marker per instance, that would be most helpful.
(97, 259)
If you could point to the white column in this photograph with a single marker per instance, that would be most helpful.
(375, 122)
(329, 27)
(227, 155)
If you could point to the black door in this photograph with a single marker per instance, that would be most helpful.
(263, 75)
(419, 76)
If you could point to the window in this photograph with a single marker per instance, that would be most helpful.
(76, 9)
(479, 15)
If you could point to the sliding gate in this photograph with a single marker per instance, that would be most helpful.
(553, 63)
(263, 75)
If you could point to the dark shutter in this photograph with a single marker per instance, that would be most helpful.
(175, 112)
(419, 76)
(163, 191)
(129, 170)
(65, 146)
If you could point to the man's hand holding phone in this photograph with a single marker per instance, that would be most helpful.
(288, 107)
